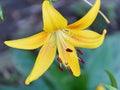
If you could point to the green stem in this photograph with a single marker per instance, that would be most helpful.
(51, 2)
(1, 13)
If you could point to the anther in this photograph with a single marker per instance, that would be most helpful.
(80, 52)
(59, 60)
(81, 60)
(61, 68)
(69, 50)
(69, 69)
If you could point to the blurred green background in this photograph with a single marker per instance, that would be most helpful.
(23, 18)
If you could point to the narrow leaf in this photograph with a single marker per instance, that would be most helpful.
(112, 79)
(110, 87)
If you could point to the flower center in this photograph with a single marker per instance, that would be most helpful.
(63, 49)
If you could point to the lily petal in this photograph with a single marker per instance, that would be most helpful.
(69, 59)
(44, 60)
(31, 42)
(52, 19)
(85, 38)
(88, 19)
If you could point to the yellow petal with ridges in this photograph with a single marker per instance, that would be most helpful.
(85, 38)
(86, 20)
(31, 42)
(43, 61)
(68, 57)
(52, 19)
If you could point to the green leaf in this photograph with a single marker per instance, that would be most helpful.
(54, 79)
(110, 87)
(1, 13)
(24, 60)
(106, 57)
(66, 80)
(112, 79)
(33, 86)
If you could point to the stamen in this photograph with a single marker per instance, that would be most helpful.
(59, 60)
(81, 60)
(80, 52)
(69, 69)
(69, 50)
(61, 68)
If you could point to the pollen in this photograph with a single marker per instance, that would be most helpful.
(80, 52)
(59, 60)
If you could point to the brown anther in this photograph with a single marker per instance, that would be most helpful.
(59, 60)
(80, 52)
(61, 68)
(69, 50)
(81, 60)
(69, 69)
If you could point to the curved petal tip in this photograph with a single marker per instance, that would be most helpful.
(27, 81)
(77, 74)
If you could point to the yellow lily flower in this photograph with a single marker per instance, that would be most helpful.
(57, 35)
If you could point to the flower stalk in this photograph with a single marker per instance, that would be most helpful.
(102, 14)
(51, 2)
